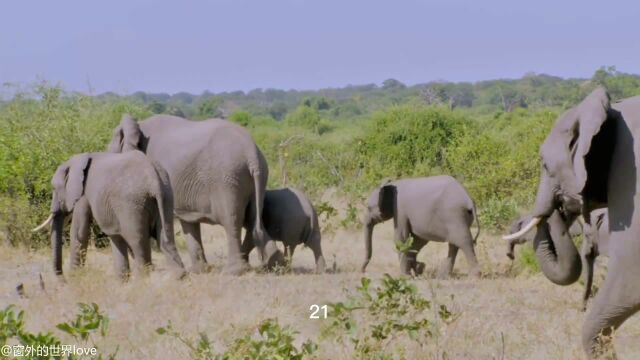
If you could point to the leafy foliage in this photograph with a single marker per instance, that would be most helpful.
(88, 321)
(374, 318)
(271, 342)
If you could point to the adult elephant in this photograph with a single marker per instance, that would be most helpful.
(591, 160)
(218, 176)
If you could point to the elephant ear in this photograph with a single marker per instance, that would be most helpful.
(126, 136)
(78, 168)
(387, 200)
(592, 144)
(59, 182)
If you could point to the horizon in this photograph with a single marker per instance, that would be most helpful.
(161, 47)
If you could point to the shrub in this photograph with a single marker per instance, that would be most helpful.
(408, 141)
(375, 318)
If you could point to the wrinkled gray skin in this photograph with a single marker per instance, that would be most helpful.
(289, 216)
(434, 208)
(127, 195)
(594, 244)
(218, 176)
(574, 231)
(591, 160)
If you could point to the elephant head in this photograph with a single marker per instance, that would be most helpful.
(575, 160)
(68, 187)
(127, 136)
(381, 206)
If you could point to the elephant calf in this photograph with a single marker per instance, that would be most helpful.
(127, 195)
(595, 243)
(434, 208)
(289, 216)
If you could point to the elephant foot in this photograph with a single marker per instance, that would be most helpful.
(443, 275)
(179, 274)
(273, 255)
(235, 268)
(418, 269)
(320, 266)
(475, 273)
(199, 268)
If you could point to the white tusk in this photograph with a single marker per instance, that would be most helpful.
(45, 223)
(580, 220)
(524, 230)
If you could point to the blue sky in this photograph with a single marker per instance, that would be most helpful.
(225, 45)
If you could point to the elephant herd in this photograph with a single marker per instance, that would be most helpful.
(212, 172)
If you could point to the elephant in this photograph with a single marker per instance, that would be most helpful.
(218, 176)
(289, 216)
(436, 208)
(574, 231)
(591, 160)
(594, 244)
(130, 199)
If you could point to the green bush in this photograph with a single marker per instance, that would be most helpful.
(39, 131)
(408, 141)
(373, 319)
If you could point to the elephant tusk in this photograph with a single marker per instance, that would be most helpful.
(524, 230)
(45, 223)
(580, 221)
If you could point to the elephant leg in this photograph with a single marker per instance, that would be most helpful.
(247, 245)
(120, 251)
(460, 236)
(470, 255)
(141, 250)
(194, 243)
(447, 267)
(315, 246)
(236, 265)
(408, 258)
(615, 302)
(80, 229)
(288, 252)
(589, 257)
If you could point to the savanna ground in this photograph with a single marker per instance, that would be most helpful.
(511, 313)
(335, 145)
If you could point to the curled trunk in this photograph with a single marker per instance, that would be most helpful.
(558, 256)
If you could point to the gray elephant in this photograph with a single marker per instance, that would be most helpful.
(434, 208)
(218, 176)
(127, 195)
(594, 244)
(289, 216)
(574, 231)
(591, 160)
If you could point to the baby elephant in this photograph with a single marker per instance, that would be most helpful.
(574, 231)
(289, 217)
(434, 208)
(595, 243)
(127, 195)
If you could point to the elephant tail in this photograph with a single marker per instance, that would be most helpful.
(164, 201)
(474, 211)
(258, 192)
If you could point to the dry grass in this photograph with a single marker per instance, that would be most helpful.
(502, 316)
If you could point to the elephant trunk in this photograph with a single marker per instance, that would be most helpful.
(558, 256)
(368, 236)
(56, 241)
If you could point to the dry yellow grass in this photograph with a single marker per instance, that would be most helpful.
(501, 315)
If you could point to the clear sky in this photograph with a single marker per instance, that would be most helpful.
(225, 45)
